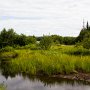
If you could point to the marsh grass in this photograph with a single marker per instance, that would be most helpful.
(2, 87)
(49, 62)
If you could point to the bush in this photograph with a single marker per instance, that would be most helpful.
(86, 43)
(79, 51)
(46, 42)
(7, 49)
(31, 46)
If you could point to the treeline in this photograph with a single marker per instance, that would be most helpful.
(60, 40)
(11, 38)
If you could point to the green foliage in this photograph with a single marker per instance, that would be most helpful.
(20, 40)
(7, 49)
(8, 55)
(7, 37)
(38, 38)
(86, 43)
(57, 39)
(2, 87)
(46, 42)
(79, 51)
(69, 40)
(48, 62)
(84, 37)
(85, 33)
(31, 47)
(31, 40)
(10, 38)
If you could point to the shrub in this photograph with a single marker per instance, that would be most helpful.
(2, 87)
(86, 43)
(31, 46)
(79, 51)
(46, 42)
(7, 49)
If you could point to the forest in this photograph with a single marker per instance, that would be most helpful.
(11, 38)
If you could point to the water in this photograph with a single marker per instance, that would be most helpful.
(20, 82)
(16, 81)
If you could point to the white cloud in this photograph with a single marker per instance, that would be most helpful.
(63, 17)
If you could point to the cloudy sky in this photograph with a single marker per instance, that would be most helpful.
(38, 17)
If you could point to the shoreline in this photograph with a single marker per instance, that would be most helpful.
(78, 77)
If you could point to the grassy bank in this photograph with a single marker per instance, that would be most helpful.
(2, 87)
(57, 60)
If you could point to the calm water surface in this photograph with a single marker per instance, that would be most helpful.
(41, 83)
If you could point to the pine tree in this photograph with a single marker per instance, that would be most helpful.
(87, 26)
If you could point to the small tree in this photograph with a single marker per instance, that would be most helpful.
(86, 43)
(46, 42)
(20, 40)
(7, 37)
(30, 40)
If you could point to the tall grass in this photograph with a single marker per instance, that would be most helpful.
(2, 87)
(48, 62)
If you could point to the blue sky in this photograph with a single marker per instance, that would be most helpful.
(38, 17)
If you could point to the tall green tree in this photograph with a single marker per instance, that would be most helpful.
(7, 37)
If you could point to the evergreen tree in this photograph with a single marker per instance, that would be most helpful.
(87, 26)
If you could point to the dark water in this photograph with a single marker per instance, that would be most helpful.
(15, 81)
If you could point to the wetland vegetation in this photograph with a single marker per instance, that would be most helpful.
(2, 87)
(59, 60)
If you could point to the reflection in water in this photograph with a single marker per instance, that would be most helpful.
(20, 81)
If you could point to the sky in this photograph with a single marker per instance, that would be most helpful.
(38, 17)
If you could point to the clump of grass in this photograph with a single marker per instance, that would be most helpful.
(79, 51)
(83, 64)
(7, 49)
(7, 52)
(2, 87)
(29, 46)
(8, 55)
